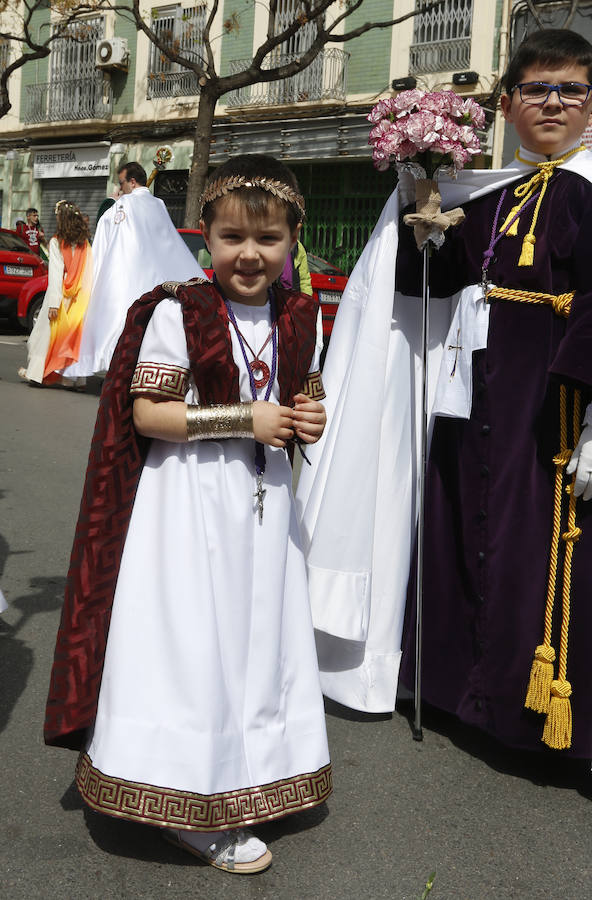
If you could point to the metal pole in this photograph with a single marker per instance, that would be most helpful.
(422, 458)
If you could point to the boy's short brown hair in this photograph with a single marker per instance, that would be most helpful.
(552, 47)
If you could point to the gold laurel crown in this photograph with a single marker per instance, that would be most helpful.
(222, 186)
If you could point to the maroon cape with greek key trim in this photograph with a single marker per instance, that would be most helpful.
(115, 463)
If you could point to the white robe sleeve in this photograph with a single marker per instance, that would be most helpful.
(163, 369)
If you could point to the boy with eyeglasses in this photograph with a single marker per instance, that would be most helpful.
(507, 551)
(506, 558)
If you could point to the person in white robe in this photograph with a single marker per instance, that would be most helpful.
(136, 246)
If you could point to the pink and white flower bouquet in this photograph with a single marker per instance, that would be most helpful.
(434, 129)
(426, 133)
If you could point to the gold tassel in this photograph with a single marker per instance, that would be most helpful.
(557, 730)
(541, 677)
(513, 229)
(527, 255)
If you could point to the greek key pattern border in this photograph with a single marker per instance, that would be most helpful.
(313, 386)
(201, 812)
(158, 380)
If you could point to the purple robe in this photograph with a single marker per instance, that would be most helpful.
(489, 491)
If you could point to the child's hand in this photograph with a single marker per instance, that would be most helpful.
(309, 419)
(272, 424)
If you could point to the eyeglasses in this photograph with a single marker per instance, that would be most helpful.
(570, 93)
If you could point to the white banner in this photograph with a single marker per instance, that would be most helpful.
(71, 162)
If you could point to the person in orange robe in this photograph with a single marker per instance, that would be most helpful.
(54, 342)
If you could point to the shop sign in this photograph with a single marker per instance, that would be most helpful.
(71, 162)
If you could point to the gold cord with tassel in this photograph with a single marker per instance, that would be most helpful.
(558, 724)
(523, 193)
(546, 694)
(541, 674)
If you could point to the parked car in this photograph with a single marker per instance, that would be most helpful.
(328, 282)
(18, 267)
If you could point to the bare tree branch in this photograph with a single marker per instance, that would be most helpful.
(206, 37)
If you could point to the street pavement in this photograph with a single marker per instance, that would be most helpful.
(490, 823)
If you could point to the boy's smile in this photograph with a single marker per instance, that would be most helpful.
(551, 128)
(248, 254)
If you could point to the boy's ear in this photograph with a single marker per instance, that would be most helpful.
(506, 106)
(296, 235)
(205, 232)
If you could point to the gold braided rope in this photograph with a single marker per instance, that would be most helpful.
(523, 193)
(538, 694)
(561, 303)
(558, 724)
(544, 694)
(222, 186)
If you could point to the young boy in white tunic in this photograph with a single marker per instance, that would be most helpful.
(187, 583)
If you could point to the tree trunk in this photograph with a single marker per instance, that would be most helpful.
(201, 154)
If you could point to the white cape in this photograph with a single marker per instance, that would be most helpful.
(358, 501)
(136, 247)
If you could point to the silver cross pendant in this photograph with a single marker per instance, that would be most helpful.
(259, 495)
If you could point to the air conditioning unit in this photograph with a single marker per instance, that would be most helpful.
(112, 53)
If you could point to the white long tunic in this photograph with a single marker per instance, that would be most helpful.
(210, 683)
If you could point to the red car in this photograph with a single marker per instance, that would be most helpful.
(328, 282)
(18, 267)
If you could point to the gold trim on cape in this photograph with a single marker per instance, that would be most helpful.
(172, 286)
(165, 807)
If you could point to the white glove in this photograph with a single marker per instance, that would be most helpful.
(581, 459)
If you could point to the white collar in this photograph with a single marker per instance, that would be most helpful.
(533, 158)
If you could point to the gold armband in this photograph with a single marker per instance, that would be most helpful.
(211, 423)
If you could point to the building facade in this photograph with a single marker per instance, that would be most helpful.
(106, 95)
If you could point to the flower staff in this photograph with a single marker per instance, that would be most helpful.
(425, 133)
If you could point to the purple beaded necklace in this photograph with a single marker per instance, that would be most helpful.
(259, 448)
(495, 237)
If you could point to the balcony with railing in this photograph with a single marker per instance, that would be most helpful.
(324, 79)
(440, 56)
(171, 84)
(442, 38)
(67, 99)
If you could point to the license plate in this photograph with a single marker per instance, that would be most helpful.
(25, 271)
(329, 296)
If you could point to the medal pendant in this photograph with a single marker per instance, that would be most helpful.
(260, 372)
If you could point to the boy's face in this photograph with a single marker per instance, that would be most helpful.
(551, 128)
(248, 254)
